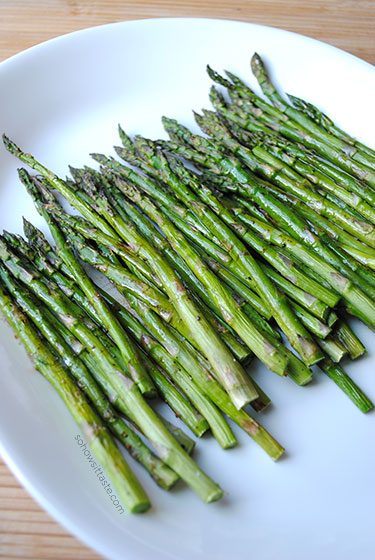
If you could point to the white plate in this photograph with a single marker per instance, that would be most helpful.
(61, 101)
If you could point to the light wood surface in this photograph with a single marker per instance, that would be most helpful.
(347, 24)
(25, 530)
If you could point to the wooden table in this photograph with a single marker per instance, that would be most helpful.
(25, 530)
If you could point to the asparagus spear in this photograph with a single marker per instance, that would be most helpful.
(177, 401)
(359, 303)
(38, 261)
(313, 324)
(118, 274)
(99, 439)
(349, 151)
(181, 377)
(316, 219)
(292, 247)
(64, 344)
(346, 384)
(243, 286)
(59, 185)
(248, 185)
(240, 351)
(183, 439)
(296, 369)
(332, 253)
(125, 389)
(196, 288)
(282, 313)
(325, 122)
(334, 172)
(186, 442)
(276, 172)
(333, 348)
(129, 353)
(228, 370)
(318, 178)
(345, 334)
(332, 280)
(184, 355)
(360, 255)
(221, 297)
(90, 232)
(278, 121)
(262, 162)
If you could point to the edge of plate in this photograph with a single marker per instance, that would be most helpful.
(44, 501)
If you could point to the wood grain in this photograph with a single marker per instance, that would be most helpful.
(343, 23)
(26, 531)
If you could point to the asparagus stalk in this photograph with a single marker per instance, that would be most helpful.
(152, 234)
(333, 348)
(59, 185)
(248, 185)
(125, 389)
(38, 261)
(335, 173)
(263, 115)
(239, 349)
(328, 233)
(303, 298)
(200, 370)
(181, 377)
(262, 162)
(228, 370)
(313, 324)
(242, 287)
(346, 384)
(121, 277)
(230, 311)
(277, 172)
(129, 353)
(65, 345)
(236, 87)
(318, 178)
(196, 423)
(316, 219)
(99, 439)
(358, 302)
(183, 439)
(212, 349)
(296, 369)
(90, 232)
(283, 315)
(334, 255)
(252, 120)
(360, 255)
(186, 442)
(324, 121)
(347, 337)
(178, 402)
(348, 151)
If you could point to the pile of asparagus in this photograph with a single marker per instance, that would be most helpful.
(219, 248)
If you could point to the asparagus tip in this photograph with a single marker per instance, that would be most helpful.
(100, 158)
(257, 65)
(23, 175)
(10, 145)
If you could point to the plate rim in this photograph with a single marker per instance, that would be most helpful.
(42, 499)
